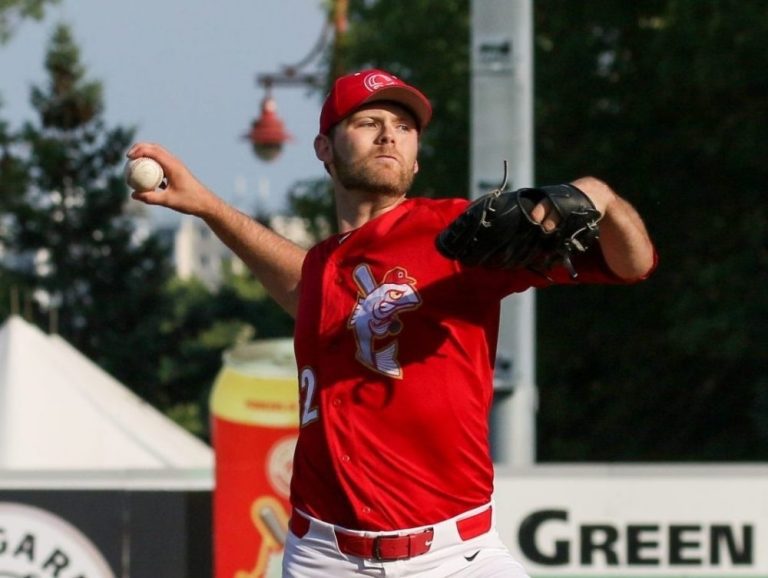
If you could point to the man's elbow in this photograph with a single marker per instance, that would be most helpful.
(639, 268)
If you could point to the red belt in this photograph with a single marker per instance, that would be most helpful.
(389, 547)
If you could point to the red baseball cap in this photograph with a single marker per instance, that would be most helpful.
(352, 91)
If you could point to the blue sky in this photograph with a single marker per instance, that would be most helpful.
(184, 73)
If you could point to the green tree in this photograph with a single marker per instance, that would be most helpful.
(393, 36)
(313, 201)
(424, 42)
(12, 12)
(200, 327)
(665, 100)
(65, 222)
(13, 179)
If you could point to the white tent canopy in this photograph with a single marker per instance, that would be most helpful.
(59, 412)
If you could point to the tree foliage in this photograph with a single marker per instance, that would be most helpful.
(393, 36)
(72, 244)
(665, 100)
(313, 201)
(426, 43)
(201, 325)
(669, 106)
(73, 252)
(12, 12)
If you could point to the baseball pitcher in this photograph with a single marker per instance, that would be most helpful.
(396, 326)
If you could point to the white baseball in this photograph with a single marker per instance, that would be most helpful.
(143, 174)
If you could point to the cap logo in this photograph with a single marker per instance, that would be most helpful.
(377, 80)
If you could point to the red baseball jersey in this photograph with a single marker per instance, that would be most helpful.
(395, 347)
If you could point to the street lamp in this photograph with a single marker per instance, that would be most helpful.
(267, 134)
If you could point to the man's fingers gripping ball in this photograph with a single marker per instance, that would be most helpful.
(143, 174)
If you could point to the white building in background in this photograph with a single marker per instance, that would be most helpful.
(294, 228)
(198, 253)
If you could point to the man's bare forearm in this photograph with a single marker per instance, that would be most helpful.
(624, 240)
(275, 261)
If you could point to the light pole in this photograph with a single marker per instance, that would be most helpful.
(502, 128)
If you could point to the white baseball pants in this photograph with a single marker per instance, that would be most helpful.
(316, 555)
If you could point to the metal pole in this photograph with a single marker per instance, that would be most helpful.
(502, 128)
(338, 63)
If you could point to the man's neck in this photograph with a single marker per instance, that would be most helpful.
(354, 209)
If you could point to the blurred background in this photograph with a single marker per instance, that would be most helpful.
(664, 99)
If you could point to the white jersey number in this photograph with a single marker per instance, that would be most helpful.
(309, 412)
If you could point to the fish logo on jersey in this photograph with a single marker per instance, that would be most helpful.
(376, 316)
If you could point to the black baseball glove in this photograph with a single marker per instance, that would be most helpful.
(497, 230)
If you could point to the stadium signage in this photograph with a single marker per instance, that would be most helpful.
(37, 543)
(633, 545)
(636, 521)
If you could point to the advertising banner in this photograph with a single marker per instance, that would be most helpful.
(38, 541)
(105, 533)
(642, 521)
(255, 409)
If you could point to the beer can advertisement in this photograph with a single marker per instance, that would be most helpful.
(254, 407)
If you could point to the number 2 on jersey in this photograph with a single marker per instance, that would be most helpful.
(309, 411)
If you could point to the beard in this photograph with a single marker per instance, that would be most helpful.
(361, 176)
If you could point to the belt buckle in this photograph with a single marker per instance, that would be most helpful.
(377, 550)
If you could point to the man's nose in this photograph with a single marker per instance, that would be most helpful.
(387, 133)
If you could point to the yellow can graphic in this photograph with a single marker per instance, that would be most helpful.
(255, 418)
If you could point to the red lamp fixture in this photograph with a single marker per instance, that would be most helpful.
(268, 134)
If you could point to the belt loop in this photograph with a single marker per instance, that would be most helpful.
(298, 524)
(476, 525)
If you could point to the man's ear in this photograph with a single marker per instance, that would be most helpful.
(323, 148)
(415, 167)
